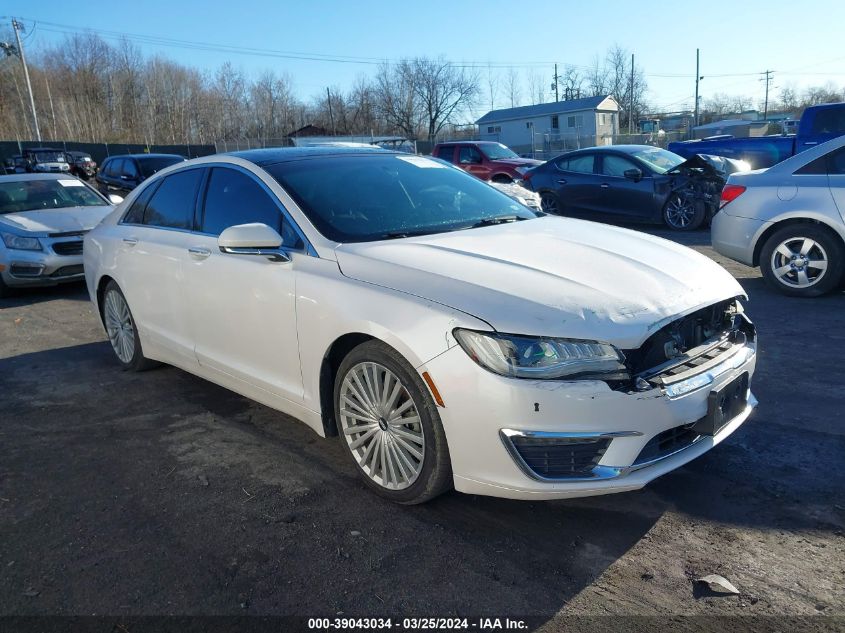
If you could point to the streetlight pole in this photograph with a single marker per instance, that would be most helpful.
(17, 28)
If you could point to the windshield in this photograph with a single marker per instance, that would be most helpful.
(48, 157)
(35, 195)
(497, 152)
(361, 198)
(151, 165)
(660, 160)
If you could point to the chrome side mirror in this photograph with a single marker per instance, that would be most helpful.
(255, 239)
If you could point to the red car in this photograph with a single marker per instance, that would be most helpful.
(487, 160)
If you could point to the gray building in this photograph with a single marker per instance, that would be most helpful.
(525, 127)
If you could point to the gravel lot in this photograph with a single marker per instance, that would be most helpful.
(160, 493)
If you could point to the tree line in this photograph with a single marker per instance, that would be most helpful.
(87, 89)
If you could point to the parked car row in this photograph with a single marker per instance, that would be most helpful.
(124, 172)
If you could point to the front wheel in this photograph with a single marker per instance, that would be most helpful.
(682, 213)
(122, 332)
(549, 203)
(802, 260)
(390, 425)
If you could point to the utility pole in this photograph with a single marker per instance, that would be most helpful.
(697, 79)
(17, 26)
(631, 110)
(555, 82)
(768, 77)
(331, 114)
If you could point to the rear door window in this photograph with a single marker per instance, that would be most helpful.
(172, 204)
(582, 164)
(135, 215)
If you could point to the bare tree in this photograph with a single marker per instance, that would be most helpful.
(492, 86)
(512, 86)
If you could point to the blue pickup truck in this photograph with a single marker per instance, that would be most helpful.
(818, 124)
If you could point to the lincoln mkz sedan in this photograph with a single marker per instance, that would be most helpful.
(448, 334)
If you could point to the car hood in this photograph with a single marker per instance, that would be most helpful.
(56, 220)
(550, 276)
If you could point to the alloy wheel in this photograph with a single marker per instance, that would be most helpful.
(679, 212)
(799, 262)
(119, 326)
(548, 204)
(382, 426)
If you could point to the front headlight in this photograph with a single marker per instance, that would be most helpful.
(542, 358)
(21, 243)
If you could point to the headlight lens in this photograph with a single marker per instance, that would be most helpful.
(542, 358)
(21, 243)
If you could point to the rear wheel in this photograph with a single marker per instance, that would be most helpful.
(683, 214)
(390, 425)
(802, 260)
(122, 332)
(502, 178)
(549, 203)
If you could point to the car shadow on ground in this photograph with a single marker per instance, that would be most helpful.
(220, 505)
(75, 291)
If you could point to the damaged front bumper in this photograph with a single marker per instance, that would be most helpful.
(537, 439)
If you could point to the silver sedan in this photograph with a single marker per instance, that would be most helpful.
(789, 220)
(43, 218)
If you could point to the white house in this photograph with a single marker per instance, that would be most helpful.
(530, 127)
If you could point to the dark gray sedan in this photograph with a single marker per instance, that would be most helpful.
(632, 183)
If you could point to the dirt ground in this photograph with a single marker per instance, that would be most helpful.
(160, 493)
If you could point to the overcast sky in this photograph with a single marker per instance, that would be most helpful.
(801, 42)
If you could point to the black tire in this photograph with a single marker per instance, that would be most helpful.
(827, 246)
(502, 178)
(549, 203)
(137, 361)
(435, 474)
(693, 216)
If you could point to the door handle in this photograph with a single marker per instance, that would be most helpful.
(130, 241)
(562, 181)
(604, 185)
(199, 253)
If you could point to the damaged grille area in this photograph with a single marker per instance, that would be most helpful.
(690, 344)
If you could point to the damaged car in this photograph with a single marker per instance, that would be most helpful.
(448, 335)
(633, 183)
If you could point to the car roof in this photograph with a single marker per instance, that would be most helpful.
(143, 156)
(470, 143)
(271, 156)
(624, 149)
(19, 177)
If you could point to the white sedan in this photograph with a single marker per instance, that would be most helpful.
(450, 335)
